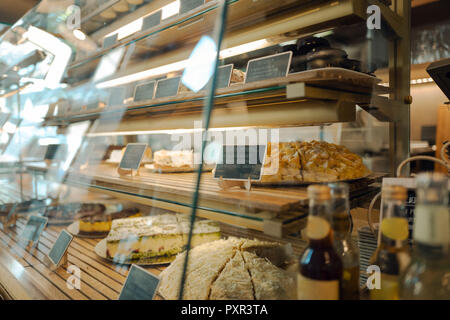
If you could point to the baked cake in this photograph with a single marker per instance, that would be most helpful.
(231, 269)
(65, 213)
(315, 161)
(168, 160)
(156, 238)
(99, 223)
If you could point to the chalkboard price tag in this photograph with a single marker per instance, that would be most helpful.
(139, 285)
(133, 155)
(167, 87)
(59, 249)
(242, 162)
(224, 76)
(188, 5)
(4, 118)
(56, 152)
(152, 20)
(109, 41)
(33, 229)
(144, 91)
(274, 66)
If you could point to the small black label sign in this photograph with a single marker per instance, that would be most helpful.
(139, 285)
(224, 76)
(167, 87)
(274, 66)
(188, 5)
(133, 156)
(60, 247)
(109, 41)
(144, 91)
(4, 118)
(56, 152)
(241, 162)
(152, 20)
(34, 228)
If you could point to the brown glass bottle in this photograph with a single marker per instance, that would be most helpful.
(320, 268)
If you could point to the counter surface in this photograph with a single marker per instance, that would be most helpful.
(25, 272)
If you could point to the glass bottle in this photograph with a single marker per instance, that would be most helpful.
(392, 254)
(428, 274)
(347, 250)
(320, 268)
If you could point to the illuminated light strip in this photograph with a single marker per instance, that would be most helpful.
(251, 46)
(413, 82)
(144, 74)
(167, 11)
(172, 131)
(247, 47)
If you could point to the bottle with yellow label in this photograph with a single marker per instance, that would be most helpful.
(392, 255)
(320, 268)
(428, 275)
(347, 250)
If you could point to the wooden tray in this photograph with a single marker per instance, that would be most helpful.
(306, 183)
(100, 250)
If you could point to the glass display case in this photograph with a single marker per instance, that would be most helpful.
(181, 136)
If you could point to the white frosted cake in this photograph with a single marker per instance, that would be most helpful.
(158, 238)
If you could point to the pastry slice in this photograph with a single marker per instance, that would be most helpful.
(205, 264)
(269, 281)
(234, 282)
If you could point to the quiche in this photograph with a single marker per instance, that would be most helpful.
(231, 269)
(315, 161)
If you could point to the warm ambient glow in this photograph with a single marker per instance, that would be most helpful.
(180, 65)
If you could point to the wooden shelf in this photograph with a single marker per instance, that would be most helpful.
(247, 21)
(329, 95)
(269, 209)
(26, 273)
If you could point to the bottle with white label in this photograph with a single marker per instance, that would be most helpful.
(392, 254)
(428, 275)
(320, 268)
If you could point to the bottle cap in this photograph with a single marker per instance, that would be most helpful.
(394, 193)
(319, 192)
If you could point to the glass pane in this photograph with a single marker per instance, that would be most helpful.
(182, 136)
